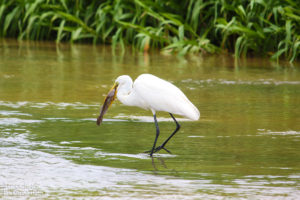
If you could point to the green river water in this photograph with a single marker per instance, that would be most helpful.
(246, 144)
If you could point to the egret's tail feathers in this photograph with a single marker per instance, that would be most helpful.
(194, 114)
(190, 111)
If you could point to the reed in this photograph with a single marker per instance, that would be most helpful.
(252, 27)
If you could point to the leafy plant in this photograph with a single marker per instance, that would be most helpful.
(255, 27)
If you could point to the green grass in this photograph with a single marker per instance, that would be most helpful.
(253, 27)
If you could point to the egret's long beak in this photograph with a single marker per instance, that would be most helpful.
(107, 102)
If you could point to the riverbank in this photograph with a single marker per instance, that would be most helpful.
(263, 28)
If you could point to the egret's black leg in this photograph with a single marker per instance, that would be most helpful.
(157, 134)
(167, 140)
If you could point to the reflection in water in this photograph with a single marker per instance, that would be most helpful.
(52, 72)
(246, 145)
(161, 162)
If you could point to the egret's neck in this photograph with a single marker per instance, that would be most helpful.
(124, 93)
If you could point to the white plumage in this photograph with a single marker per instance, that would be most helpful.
(155, 94)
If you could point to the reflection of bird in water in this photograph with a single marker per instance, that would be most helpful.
(151, 93)
(162, 162)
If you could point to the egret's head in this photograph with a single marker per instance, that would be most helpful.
(123, 80)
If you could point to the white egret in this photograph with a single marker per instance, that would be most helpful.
(151, 93)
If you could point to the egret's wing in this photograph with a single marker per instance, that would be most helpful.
(161, 95)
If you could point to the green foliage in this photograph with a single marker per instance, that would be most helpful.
(258, 27)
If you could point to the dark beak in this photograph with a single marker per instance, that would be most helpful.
(107, 102)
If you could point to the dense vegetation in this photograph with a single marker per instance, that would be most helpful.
(245, 27)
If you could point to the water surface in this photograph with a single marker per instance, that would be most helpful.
(245, 145)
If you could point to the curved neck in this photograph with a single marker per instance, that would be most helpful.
(124, 93)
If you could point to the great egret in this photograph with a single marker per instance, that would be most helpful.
(151, 93)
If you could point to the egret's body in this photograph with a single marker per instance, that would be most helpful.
(152, 93)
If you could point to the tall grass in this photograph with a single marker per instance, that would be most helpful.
(245, 27)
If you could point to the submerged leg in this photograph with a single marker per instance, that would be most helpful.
(167, 140)
(157, 134)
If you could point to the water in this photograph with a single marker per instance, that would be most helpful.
(245, 145)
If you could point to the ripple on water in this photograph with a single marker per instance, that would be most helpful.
(52, 175)
(282, 133)
(241, 82)
(59, 105)
(148, 118)
(14, 112)
(16, 121)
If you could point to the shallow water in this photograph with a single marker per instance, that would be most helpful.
(245, 145)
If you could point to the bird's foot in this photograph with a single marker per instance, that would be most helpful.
(161, 147)
(157, 149)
